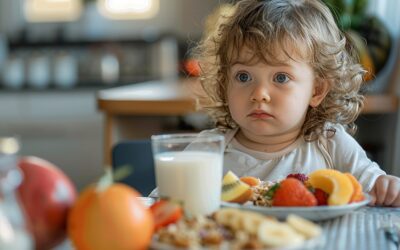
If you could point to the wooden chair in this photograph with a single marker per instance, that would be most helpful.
(138, 155)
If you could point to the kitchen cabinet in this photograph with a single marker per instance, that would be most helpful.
(64, 65)
(63, 127)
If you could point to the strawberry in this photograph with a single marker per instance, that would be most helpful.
(165, 212)
(301, 177)
(322, 197)
(292, 192)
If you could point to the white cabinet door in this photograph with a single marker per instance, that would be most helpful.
(62, 127)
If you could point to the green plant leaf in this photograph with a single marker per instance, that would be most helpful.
(348, 13)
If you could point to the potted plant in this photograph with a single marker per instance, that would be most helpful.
(369, 36)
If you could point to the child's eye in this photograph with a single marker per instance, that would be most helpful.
(281, 78)
(243, 77)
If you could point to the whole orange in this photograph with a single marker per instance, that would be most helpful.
(111, 218)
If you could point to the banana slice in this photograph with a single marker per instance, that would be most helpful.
(230, 217)
(252, 221)
(236, 223)
(303, 226)
(277, 234)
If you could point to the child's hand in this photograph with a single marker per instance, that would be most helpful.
(386, 191)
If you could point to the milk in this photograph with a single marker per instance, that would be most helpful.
(190, 177)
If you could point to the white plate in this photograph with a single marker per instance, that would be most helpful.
(317, 213)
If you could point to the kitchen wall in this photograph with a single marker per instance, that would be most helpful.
(63, 125)
(181, 17)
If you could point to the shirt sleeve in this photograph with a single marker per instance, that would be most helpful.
(349, 156)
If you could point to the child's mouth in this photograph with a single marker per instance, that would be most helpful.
(260, 115)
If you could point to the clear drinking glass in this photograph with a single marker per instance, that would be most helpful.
(189, 170)
(14, 233)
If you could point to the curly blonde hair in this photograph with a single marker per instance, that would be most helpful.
(264, 26)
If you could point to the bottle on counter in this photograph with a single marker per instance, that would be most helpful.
(12, 74)
(38, 70)
(14, 233)
(65, 70)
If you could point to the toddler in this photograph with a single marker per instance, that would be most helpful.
(283, 87)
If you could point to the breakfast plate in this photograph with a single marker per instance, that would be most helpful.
(317, 213)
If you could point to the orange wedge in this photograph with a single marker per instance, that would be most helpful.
(336, 184)
(357, 193)
(250, 180)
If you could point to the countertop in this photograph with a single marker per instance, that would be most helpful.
(176, 98)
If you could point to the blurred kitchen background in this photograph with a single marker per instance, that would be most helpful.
(56, 54)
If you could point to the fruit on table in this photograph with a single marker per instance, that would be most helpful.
(165, 213)
(303, 226)
(301, 177)
(251, 222)
(333, 182)
(322, 197)
(268, 230)
(234, 190)
(250, 180)
(109, 216)
(230, 217)
(357, 193)
(277, 234)
(47, 195)
(240, 220)
(292, 192)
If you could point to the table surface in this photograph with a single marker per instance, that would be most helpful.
(362, 229)
(359, 230)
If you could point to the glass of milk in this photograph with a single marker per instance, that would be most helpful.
(189, 170)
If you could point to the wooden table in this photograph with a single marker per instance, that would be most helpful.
(175, 98)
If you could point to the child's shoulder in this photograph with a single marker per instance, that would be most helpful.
(214, 131)
(335, 131)
(217, 131)
(336, 137)
(227, 133)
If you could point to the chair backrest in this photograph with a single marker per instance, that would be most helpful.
(137, 154)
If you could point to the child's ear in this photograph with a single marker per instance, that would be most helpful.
(321, 89)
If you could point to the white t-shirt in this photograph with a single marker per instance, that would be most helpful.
(341, 152)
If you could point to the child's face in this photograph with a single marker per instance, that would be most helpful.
(270, 100)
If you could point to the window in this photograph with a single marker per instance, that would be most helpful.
(52, 10)
(128, 9)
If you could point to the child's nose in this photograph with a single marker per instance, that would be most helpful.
(260, 94)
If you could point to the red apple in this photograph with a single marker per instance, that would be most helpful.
(47, 195)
